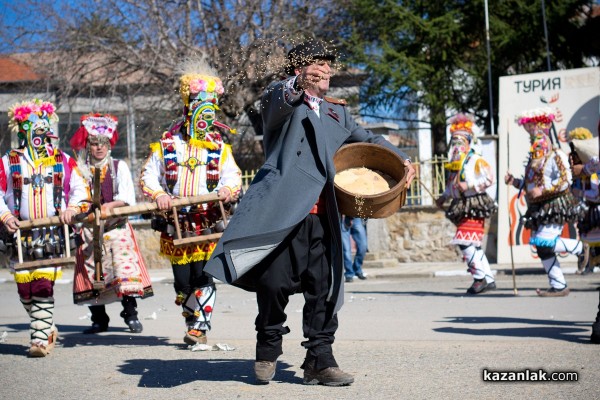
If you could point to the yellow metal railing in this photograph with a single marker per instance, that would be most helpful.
(431, 184)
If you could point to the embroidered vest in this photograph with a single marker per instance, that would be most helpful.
(108, 185)
(61, 172)
(172, 164)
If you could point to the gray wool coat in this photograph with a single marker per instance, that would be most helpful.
(299, 148)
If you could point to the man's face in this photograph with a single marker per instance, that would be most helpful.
(323, 67)
(98, 148)
(323, 84)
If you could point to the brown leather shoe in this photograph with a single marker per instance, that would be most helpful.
(552, 292)
(332, 376)
(194, 336)
(264, 371)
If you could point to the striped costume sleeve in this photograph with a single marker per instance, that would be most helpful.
(231, 175)
(152, 174)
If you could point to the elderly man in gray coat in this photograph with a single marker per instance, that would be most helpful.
(285, 237)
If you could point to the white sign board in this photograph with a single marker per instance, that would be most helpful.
(574, 96)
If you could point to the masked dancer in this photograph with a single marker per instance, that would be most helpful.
(191, 159)
(38, 180)
(584, 165)
(470, 176)
(550, 202)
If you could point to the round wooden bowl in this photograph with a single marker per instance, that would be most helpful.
(376, 158)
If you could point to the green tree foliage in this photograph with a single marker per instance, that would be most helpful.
(431, 55)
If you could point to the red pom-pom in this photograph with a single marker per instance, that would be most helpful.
(114, 139)
(79, 139)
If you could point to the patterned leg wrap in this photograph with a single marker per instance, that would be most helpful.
(477, 263)
(198, 307)
(555, 275)
(42, 312)
(26, 305)
(571, 246)
(42, 330)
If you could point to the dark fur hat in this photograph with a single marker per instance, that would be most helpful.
(306, 52)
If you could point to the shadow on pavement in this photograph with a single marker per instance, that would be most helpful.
(72, 335)
(14, 349)
(548, 329)
(155, 373)
(106, 339)
(421, 293)
(497, 293)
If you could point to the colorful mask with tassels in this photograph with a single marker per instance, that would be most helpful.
(540, 146)
(461, 129)
(459, 147)
(539, 150)
(32, 120)
(200, 95)
(202, 118)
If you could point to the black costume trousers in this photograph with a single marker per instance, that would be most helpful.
(99, 315)
(190, 276)
(301, 263)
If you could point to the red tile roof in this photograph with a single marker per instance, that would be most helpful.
(14, 71)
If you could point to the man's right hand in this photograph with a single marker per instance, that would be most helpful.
(311, 74)
(163, 202)
(12, 224)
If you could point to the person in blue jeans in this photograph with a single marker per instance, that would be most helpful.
(354, 227)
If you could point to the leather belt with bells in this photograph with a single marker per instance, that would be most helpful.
(37, 180)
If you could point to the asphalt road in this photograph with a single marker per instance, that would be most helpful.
(412, 338)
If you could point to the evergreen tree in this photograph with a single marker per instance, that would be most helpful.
(423, 54)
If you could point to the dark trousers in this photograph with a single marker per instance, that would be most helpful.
(190, 276)
(99, 315)
(597, 322)
(301, 263)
